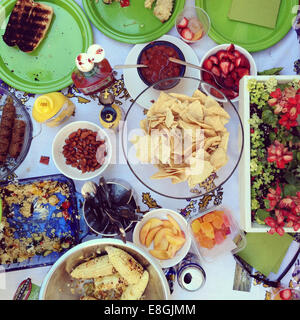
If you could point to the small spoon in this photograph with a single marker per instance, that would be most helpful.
(129, 66)
(187, 64)
(114, 221)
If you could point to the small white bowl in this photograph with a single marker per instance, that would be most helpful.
(60, 160)
(162, 214)
(253, 69)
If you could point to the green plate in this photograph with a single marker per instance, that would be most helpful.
(132, 24)
(49, 67)
(251, 37)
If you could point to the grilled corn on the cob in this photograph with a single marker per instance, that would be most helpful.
(135, 291)
(125, 264)
(94, 268)
(112, 282)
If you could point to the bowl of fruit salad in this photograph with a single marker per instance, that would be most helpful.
(228, 63)
(192, 24)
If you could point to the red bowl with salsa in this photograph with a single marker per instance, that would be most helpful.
(156, 56)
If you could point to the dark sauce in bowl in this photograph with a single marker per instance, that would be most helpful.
(156, 56)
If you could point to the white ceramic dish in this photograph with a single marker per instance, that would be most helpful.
(162, 214)
(135, 85)
(244, 172)
(253, 69)
(59, 142)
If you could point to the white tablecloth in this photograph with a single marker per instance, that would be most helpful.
(220, 274)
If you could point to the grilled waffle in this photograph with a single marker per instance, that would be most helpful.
(28, 25)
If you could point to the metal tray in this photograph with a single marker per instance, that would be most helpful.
(57, 226)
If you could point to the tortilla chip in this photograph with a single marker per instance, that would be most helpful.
(218, 158)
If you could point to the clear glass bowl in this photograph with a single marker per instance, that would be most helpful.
(12, 164)
(143, 171)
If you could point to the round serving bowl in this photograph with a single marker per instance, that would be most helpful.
(60, 160)
(145, 56)
(12, 164)
(162, 214)
(221, 79)
(143, 170)
(59, 285)
(121, 194)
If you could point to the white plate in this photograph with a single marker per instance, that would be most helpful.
(135, 85)
(59, 159)
(162, 214)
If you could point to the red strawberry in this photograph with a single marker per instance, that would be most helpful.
(216, 71)
(207, 64)
(238, 61)
(237, 53)
(244, 62)
(216, 94)
(230, 94)
(234, 75)
(183, 23)
(221, 54)
(224, 66)
(242, 72)
(231, 48)
(207, 76)
(214, 60)
(229, 82)
(187, 34)
(285, 294)
(231, 67)
(231, 56)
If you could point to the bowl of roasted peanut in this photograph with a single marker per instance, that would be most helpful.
(105, 269)
(81, 150)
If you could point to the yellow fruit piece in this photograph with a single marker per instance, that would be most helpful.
(196, 226)
(150, 224)
(162, 245)
(174, 223)
(175, 240)
(150, 236)
(169, 225)
(208, 230)
(144, 232)
(160, 254)
(172, 249)
(209, 217)
(155, 222)
(160, 235)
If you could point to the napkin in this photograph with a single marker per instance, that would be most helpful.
(265, 252)
(260, 12)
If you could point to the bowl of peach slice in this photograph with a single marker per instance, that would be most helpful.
(215, 232)
(164, 234)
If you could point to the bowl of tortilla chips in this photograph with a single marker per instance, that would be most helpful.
(182, 143)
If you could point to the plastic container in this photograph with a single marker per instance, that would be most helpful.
(221, 237)
(197, 24)
(53, 109)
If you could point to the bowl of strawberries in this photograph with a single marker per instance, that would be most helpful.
(226, 64)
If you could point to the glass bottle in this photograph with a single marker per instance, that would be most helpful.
(94, 72)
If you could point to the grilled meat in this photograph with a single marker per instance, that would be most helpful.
(27, 25)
